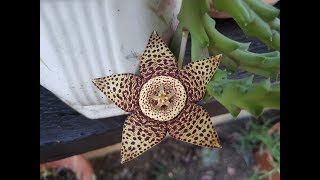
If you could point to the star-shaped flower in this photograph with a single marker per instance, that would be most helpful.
(162, 100)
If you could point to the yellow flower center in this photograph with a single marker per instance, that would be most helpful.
(162, 98)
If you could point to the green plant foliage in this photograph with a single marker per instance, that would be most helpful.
(257, 135)
(243, 94)
(256, 19)
(236, 55)
(191, 18)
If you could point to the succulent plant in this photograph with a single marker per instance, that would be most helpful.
(256, 19)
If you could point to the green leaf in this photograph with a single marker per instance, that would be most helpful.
(240, 94)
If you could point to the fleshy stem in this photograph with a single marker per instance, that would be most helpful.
(236, 54)
(183, 45)
(204, 37)
(243, 93)
(255, 18)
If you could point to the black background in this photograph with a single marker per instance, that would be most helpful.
(20, 89)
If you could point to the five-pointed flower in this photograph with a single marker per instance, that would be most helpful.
(162, 100)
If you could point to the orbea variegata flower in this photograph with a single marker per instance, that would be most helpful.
(162, 100)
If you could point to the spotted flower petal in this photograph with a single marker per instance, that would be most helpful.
(140, 134)
(122, 89)
(162, 100)
(157, 59)
(194, 126)
(195, 76)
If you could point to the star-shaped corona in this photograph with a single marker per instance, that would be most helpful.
(162, 100)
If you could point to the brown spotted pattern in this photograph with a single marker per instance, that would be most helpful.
(140, 134)
(195, 76)
(151, 88)
(194, 126)
(180, 116)
(122, 89)
(157, 59)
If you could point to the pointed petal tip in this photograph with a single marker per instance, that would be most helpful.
(122, 158)
(95, 81)
(218, 57)
(138, 137)
(157, 54)
(218, 146)
(154, 33)
(123, 161)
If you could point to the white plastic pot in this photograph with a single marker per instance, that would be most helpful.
(84, 39)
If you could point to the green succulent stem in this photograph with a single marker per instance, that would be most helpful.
(237, 55)
(255, 19)
(240, 94)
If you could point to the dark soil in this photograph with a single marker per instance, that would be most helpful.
(58, 174)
